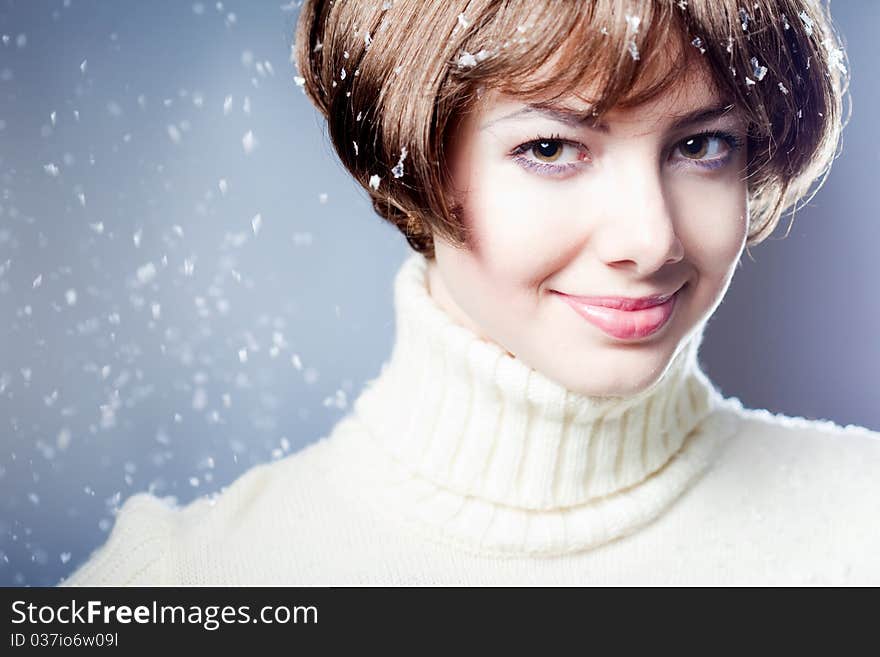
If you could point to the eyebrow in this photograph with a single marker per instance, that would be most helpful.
(579, 118)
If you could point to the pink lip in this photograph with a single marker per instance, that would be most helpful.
(624, 318)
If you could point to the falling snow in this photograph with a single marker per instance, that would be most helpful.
(337, 400)
(633, 22)
(248, 142)
(744, 19)
(807, 21)
(757, 70)
(466, 60)
(835, 55)
(397, 171)
(146, 273)
(633, 50)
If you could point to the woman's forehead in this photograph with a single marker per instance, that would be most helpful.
(691, 92)
(693, 85)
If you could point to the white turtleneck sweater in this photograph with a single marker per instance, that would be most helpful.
(459, 464)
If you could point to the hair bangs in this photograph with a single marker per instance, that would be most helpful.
(607, 53)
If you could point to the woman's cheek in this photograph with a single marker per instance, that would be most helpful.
(712, 222)
(521, 212)
(500, 212)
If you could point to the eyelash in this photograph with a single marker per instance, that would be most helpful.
(733, 142)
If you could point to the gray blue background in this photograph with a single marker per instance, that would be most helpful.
(151, 339)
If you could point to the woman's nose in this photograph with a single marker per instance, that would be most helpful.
(638, 228)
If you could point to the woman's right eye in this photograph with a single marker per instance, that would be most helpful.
(547, 155)
(548, 151)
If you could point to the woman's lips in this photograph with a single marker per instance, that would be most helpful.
(625, 324)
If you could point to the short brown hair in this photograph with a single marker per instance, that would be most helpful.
(392, 78)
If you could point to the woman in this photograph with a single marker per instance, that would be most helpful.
(578, 181)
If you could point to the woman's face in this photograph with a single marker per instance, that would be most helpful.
(639, 206)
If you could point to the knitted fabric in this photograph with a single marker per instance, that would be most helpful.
(459, 464)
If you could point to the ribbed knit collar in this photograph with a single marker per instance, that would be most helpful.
(482, 450)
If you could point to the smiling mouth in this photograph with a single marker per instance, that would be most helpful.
(622, 303)
(645, 316)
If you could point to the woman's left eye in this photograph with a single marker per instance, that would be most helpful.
(708, 150)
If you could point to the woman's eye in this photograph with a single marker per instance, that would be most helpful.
(548, 151)
(550, 156)
(555, 156)
(705, 147)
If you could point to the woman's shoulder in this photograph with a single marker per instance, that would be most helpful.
(824, 466)
(153, 538)
(795, 498)
(262, 495)
(762, 425)
(816, 448)
(135, 549)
